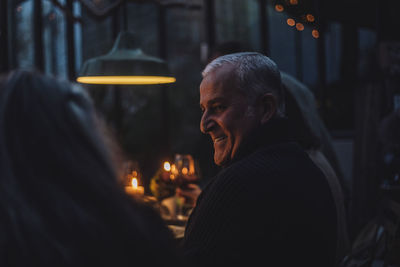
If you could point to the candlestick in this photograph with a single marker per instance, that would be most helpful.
(135, 189)
(138, 191)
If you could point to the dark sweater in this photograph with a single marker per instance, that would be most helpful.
(271, 206)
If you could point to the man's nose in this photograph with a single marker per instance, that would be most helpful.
(206, 123)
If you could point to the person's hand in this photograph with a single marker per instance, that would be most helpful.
(191, 192)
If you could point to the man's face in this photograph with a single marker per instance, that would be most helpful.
(227, 116)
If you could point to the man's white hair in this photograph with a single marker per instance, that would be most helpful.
(256, 75)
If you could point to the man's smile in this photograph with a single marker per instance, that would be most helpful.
(224, 113)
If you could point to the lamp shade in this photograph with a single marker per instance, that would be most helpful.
(125, 64)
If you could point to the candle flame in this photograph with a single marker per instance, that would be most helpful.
(134, 183)
(184, 170)
(167, 166)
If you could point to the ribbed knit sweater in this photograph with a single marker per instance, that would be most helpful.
(270, 207)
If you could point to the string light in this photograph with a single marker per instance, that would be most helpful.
(315, 34)
(304, 18)
(290, 22)
(310, 18)
(299, 26)
(279, 8)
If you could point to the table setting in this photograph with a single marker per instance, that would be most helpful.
(171, 178)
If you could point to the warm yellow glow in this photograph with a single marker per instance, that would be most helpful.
(125, 79)
(294, 2)
(279, 8)
(167, 166)
(191, 168)
(290, 22)
(172, 176)
(134, 183)
(310, 18)
(173, 168)
(184, 170)
(134, 173)
(315, 34)
(299, 26)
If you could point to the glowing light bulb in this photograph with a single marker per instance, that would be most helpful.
(315, 34)
(310, 18)
(279, 8)
(299, 26)
(167, 166)
(290, 22)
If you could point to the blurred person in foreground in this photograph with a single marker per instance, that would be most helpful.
(61, 203)
(270, 204)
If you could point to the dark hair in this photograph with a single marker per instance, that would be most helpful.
(60, 202)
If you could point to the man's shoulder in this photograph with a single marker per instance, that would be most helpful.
(273, 165)
(269, 157)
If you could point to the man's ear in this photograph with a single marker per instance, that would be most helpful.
(268, 107)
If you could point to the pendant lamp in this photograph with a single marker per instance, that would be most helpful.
(125, 64)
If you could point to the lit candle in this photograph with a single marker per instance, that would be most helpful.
(174, 172)
(135, 189)
(165, 174)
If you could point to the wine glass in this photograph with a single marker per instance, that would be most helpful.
(186, 174)
(185, 169)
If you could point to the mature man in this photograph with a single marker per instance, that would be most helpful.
(270, 205)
